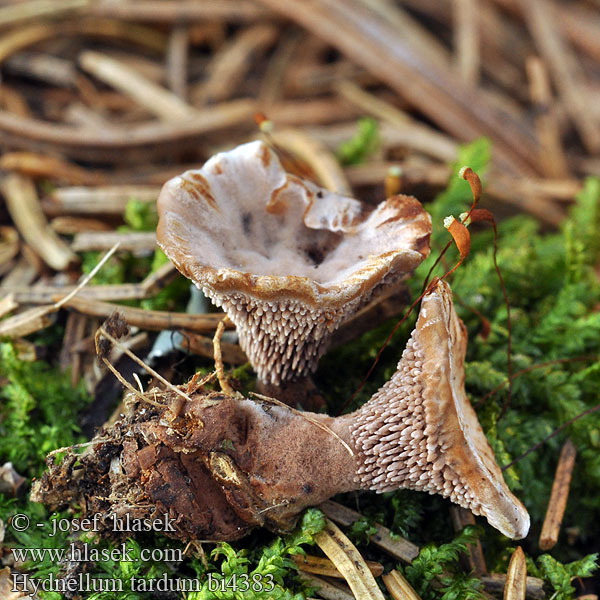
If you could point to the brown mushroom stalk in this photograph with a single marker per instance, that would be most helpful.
(286, 260)
(218, 464)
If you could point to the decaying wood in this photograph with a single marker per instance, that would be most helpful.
(558, 496)
(496, 583)
(460, 519)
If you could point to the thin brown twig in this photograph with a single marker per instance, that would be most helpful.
(218, 358)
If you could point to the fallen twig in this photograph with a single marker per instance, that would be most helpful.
(558, 496)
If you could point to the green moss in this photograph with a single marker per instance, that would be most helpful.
(38, 412)
(435, 573)
(362, 144)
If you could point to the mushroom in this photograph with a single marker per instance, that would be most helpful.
(219, 464)
(286, 260)
(419, 431)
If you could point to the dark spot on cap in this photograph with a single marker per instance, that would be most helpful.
(246, 222)
(315, 255)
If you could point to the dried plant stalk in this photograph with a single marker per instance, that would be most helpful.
(323, 566)
(324, 164)
(106, 200)
(398, 587)
(425, 139)
(41, 294)
(558, 496)
(150, 320)
(327, 590)
(26, 322)
(348, 561)
(146, 139)
(466, 40)
(372, 42)
(552, 156)
(564, 68)
(198, 344)
(228, 65)
(7, 305)
(33, 9)
(24, 207)
(9, 244)
(154, 98)
(131, 241)
(50, 167)
(516, 576)
(166, 11)
(177, 61)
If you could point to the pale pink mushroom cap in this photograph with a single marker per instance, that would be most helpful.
(287, 260)
(419, 431)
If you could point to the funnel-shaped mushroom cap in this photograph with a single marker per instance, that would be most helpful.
(287, 260)
(420, 431)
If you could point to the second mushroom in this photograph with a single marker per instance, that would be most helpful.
(288, 261)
